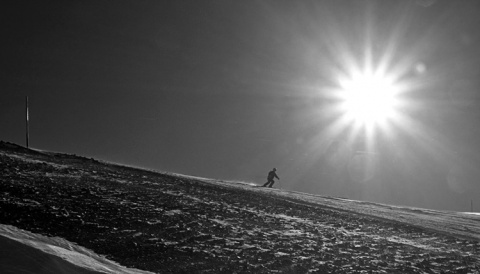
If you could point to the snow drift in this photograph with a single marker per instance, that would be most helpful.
(25, 252)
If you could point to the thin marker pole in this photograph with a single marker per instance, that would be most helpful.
(27, 118)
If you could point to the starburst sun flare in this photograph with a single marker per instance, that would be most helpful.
(368, 98)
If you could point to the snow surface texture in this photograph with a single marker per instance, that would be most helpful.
(170, 223)
(25, 252)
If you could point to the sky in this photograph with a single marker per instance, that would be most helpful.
(231, 89)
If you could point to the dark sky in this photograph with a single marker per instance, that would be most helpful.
(231, 89)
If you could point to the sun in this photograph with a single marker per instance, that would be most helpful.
(368, 98)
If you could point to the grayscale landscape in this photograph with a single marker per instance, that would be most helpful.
(109, 215)
(137, 136)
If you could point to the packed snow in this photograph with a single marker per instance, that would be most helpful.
(26, 252)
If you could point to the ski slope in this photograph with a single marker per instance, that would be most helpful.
(460, 224)
(29, 253)
(173, 223)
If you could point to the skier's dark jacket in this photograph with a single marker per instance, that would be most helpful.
(272, 175)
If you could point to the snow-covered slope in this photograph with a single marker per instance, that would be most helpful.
(460, 224)
(29, 253)
(171, 223)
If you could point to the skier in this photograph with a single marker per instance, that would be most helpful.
(272, 174)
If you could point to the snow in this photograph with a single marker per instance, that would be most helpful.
(154, 221)
(460, 224)
(25, 252)
(471, 213)
(32, 161)
(220, 222)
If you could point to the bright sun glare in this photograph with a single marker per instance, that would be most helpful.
(370, 105)
(368, 98)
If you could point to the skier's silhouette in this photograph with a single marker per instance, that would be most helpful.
(272, 174)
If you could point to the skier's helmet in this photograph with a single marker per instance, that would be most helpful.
(274, 169)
